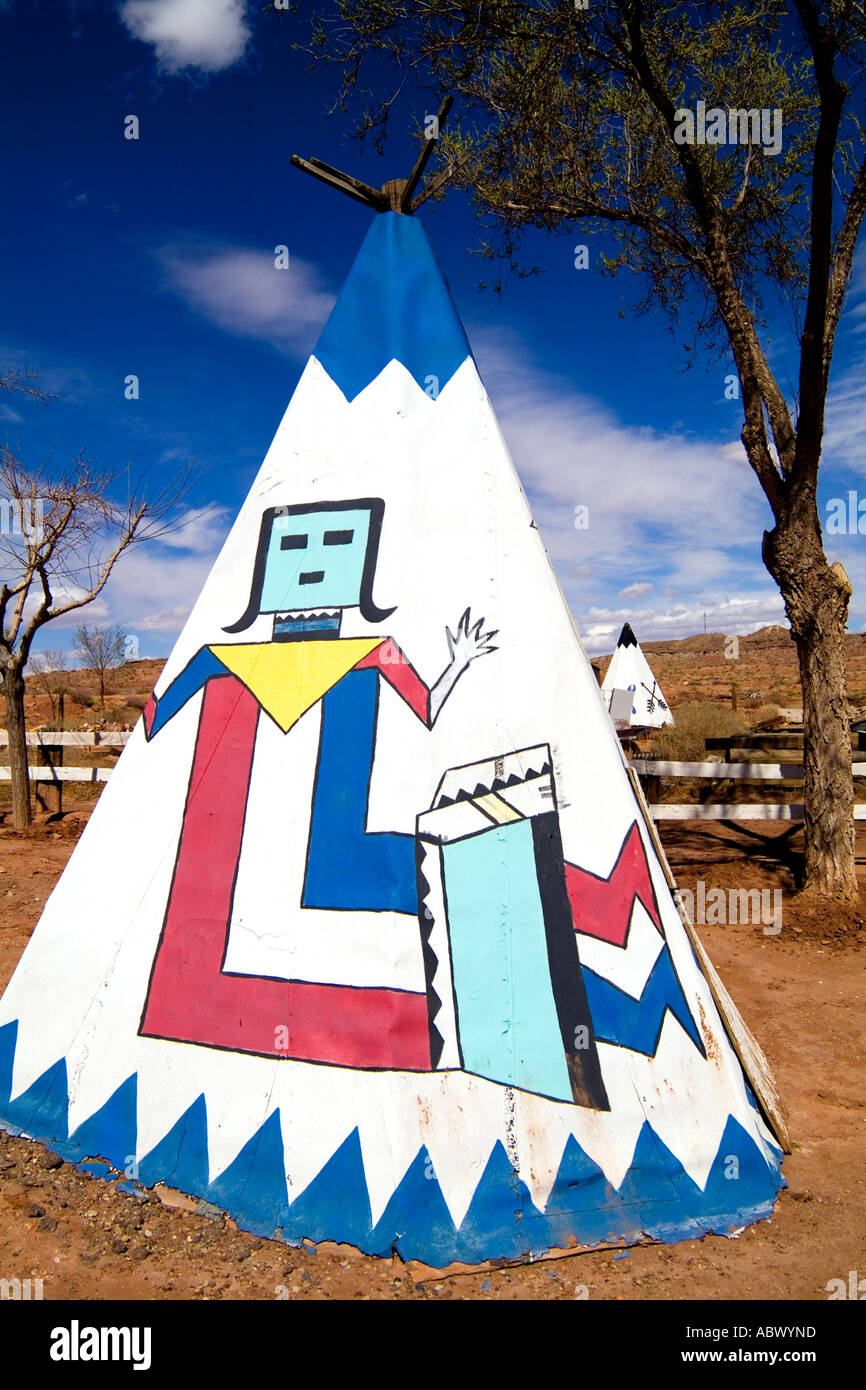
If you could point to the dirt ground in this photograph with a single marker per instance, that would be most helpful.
(803, 994)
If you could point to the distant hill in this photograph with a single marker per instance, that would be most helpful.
(765, 672)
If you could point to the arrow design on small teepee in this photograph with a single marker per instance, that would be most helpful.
(629, 673)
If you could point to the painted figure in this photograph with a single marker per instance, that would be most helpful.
(498, 907)
(313, 561)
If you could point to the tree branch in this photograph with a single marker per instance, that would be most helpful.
(846, 243)
(813, 376)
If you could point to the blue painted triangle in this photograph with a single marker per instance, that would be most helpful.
(8, 1038)
(498, 1204)
(110, 1133)
(656, 1197)
(180, 1159)
(579, 1204)
(417, 1220)
(42, 1111)
(742, 1184)
(336, 1204)
(253, 1187)
(395, 304)
(579, 1185)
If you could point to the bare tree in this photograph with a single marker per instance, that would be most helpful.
(49, 669)
(61, 535)
(103, 650)
(14, 379)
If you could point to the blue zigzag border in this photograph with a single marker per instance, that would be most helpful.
(657, 1198)
(636, 1023)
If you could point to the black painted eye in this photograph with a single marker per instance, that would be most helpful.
(338, 537)
(293, 543)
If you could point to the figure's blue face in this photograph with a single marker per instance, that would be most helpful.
(315, 560)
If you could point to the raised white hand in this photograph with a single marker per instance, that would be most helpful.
(464, 645)
(468, 642)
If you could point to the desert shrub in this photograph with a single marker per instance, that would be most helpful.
(695, 721)
(127, 715)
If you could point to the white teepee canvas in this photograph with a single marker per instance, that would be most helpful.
(630, 690)
(366, 939)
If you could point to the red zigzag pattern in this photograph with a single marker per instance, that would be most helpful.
(602, 907)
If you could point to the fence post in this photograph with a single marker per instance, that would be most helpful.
(50, 794)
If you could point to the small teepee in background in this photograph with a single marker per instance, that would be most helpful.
(367, 939)
(630, 690)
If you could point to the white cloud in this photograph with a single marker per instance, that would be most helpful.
(166, 620)
(95, 614)
(732, 617)
(207, 34)
(155, 585)
(201, 530)
(686, 513)
(242, 292)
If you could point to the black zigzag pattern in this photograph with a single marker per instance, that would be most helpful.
(431, 962)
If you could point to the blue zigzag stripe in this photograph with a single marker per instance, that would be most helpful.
(395, 304)
(657, 1198)
(637, 1023)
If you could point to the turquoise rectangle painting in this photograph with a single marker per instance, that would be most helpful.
(509, 1029)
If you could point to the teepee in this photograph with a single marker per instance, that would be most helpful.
(367, 939)
(630, 690)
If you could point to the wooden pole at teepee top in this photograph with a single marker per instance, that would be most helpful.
(396, 195)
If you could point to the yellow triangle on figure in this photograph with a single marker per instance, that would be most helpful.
(287, 678)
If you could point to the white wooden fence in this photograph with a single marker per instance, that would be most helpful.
(723, 772)
(644, 767)
(50, 738)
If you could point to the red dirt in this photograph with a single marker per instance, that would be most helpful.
(803, 994)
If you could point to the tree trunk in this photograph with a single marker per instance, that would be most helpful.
(13, 686)
(816, 601)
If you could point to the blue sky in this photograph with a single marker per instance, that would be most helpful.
(155, 257)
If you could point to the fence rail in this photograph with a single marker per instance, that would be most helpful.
(737, 810)
(52, 738)
(723, 772)
(61, 774)
(651, 770)
(50, 774)
(646, 768)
